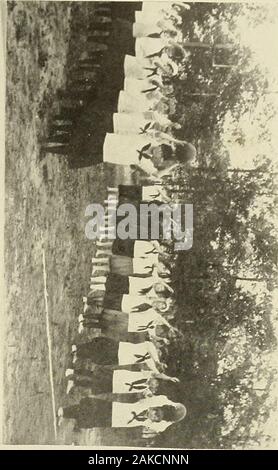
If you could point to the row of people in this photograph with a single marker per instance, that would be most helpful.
(130, 289)
(140, 133)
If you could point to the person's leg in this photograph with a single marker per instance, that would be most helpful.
(71, 412)
(95, 413)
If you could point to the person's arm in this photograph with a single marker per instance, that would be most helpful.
(182, 5)
(161, 340)
(163, 376)
(167, 287)
(163, 321)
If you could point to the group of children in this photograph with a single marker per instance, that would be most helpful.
(139, 133)
(130, 296)
(128, 303)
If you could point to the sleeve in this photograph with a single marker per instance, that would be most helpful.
(153, 351)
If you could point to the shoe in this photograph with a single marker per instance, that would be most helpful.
(69, 372)
(69, 386)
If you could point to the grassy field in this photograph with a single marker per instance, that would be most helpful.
(45, 205)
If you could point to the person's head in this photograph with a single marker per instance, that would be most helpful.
(162, 367)
(167, 89)
(175, 52)
(162, 270)
(171, 33)
(173, 413)
(161, 153)
(162, 106)
(154, 385)
(155, 414)
(161, 290)
(160, 305)
(168, 72)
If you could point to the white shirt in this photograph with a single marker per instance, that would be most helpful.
(131, 123)
(122, 413)
(134, 68)
(123, 150)
(147, 46)
(144, 265)
(122, 379)
(129, 103)
(128, 354)
(131, 302)
(139, 284)
(144, 321)
(133, 85)
(142, 249)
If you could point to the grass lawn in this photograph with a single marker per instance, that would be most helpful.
(45, 205)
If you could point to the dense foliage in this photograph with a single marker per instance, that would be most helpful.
(224, 285)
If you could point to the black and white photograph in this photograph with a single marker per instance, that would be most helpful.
(140, 163)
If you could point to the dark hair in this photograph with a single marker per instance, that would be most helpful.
(185, 153)
(169, 412)
(176, 53)
(167, 152)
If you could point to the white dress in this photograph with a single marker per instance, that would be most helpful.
(122, 379)
(133, 123)
(128, 354)
(144, 321)
(135, 68)
(134, 86)
(148, 46)
(154, 9)
(126, 150)
(128, 103)
(141, 30)
(137, 285)
(124, 414)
